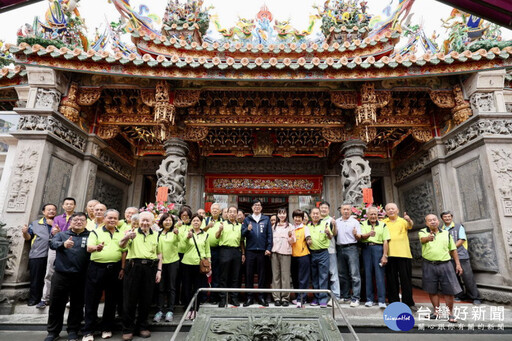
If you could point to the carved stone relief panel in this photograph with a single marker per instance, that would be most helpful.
(502, 169)
(57, 181)
(47, 99)
(482, 251)
(418, 201)
(436, 181)
(108, 194)
(91, 180)
(23, 176)
(483, 102)
(472, 193)
(415, 248)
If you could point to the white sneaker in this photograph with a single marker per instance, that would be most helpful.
(368, 304)
(88, 337)
(382, 305)
(354, 303)
(329, 304)
(106, 335)
(344, 300)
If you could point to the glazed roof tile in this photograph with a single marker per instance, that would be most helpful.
(10, 73)
(36, 55)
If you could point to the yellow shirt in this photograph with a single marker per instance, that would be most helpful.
(399, 243)
(318, 236)
(212, 231)
(168, 247)
(183, 231)
(300, 247)
(91, 225)
(143, 246)
(231, 235)
(439, 249)
(191, 257)
(111, 252)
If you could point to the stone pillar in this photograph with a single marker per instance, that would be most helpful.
(12, 142)
(355, 173)
(173, 170)
(485, 91)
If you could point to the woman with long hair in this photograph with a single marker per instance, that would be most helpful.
(281, 257)
(168, 246)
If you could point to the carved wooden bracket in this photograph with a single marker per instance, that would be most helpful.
(69, 106)
(186, 98)
(442, 98)
(195, 134)
(422, 134)
(164, 110)
(334, 134)
(148, 97)
(108, 132)
(462, 110)
(344, 99)
(88, 96)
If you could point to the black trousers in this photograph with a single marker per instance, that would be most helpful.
(192, 280)
(255, 263)
(138, 286)
(230, 260)
(216, 270)
(66, 285)
(101, 276)
(398, 275)
(167, 286)
(37, 268)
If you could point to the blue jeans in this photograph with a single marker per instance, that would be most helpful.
(372, 254)
(320, 274)
(334, 279)
(348, 268)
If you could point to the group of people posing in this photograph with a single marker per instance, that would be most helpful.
(77, 257)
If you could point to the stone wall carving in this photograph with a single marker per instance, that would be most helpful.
(436, 181)
(502, 167)
(355, 172)
(173, 170)
(418, 201)
(108, 194)
(23, 176)
(54, 126)
(113, 164)
(91, 180)
(15, 238)
(57, 181)
(482, 251)
(490, 127)
(508, 107)
(472, 191)
(412, 167)
(415, 245)
(47, 99)
(263, 166)
(483, 102)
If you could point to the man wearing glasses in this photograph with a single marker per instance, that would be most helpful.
(68, 280)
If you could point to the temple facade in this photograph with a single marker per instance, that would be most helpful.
(288, 120)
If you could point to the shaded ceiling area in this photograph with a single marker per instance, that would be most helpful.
(496, 11)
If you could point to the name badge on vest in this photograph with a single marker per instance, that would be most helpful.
(261, 227)
(84, 243)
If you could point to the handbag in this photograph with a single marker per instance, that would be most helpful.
(204, 263)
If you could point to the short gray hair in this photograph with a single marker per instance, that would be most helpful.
(132, 208)
(135, 217)
(110, 210)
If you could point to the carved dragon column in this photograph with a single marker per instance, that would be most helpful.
(173, 170)
(355, 173)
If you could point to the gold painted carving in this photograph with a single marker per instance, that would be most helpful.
(69, 106)
(366, 113)
(334, 134)
(462, 110)
(164, 111)
(344, 99)
(264, 144)
(442, 98)
(148, 97)
(195, 134)
(88, 96)
(108, 132)
(422, 134)
(365, 133)
(186, 98)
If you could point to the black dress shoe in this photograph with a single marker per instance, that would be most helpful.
(277, 303)
(262, 302)
(235, 302)
(222, 304)
(285, 303)
(249, 302)
(31, 303)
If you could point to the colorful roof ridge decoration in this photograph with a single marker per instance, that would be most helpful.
(188, 16)
(197, 66)
(63, 26)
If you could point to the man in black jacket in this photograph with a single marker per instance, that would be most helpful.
(68, 281)
(257, 232)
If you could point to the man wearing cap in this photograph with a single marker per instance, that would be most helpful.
(438, 275)
(105, 273)
(459, 236)
(257, 232)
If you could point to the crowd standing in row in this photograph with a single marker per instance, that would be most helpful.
(75, 258)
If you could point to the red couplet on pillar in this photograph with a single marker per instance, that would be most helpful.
(208, 206)
(368, 196)
(161, 194)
